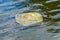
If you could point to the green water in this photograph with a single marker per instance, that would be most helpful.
(48, 7)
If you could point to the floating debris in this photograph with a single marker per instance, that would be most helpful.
(28, 19)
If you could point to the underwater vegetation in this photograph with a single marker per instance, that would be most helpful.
(52, 30)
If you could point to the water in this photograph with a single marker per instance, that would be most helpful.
(10, 30)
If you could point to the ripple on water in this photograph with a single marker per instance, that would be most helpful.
(9, 30)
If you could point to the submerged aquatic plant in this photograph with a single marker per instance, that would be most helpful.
(48, 7)
(52, 30)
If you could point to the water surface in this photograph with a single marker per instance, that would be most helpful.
(11, 30)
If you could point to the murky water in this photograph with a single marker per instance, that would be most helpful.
(10, 30)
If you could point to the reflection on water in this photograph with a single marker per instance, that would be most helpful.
(10, 30)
